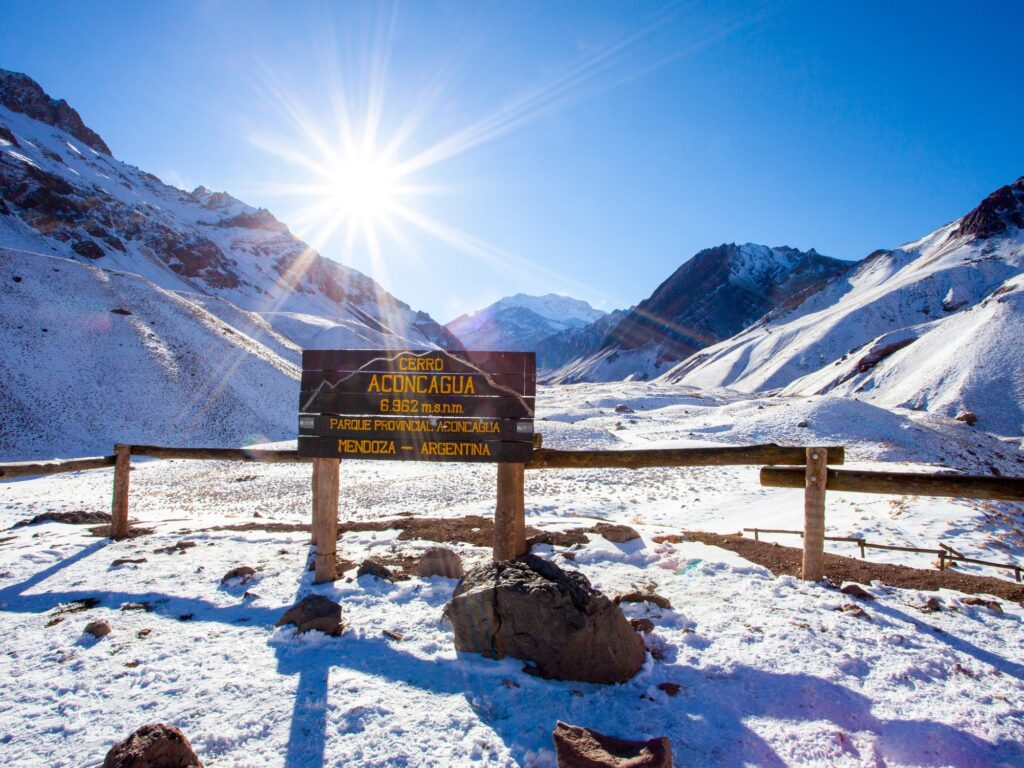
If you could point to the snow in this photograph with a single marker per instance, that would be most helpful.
(771, 673)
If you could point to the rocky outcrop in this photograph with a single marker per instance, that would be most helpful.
(578, 747)
(531, 609)
(153, 746)
(997, 213)
(20, 93)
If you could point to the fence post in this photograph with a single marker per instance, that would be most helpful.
(510, 513)
(325, 519)
(119, 505)
(814, 513)
(316, 506)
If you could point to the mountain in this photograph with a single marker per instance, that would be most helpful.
(62, 193)
(575, 343)
(132, 310)
(710, 297)
(934, 325)
(521, 322)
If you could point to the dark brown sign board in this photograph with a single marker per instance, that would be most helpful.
(417, 405)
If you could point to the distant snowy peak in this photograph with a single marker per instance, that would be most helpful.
(552, 306)
(20, 93)
(521, 322)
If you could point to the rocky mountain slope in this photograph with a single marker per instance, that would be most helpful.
(933, 325)
(64, 194)
(232, 294)
(712, 296)
(521, 322)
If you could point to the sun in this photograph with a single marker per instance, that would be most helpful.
(362, 188)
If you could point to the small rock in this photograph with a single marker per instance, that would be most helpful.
(153, 746)
(185, 617)
(441, 561)
(623, 408)
(181, 546)
(373, 568)
(672, 689)
(569, 555)
(992, 605)
(615, 533)
(121, 311)
(243, 572)
(970, 418)
(855, 610)
(142, 634)
(127, 561)
(97, 629)
(578, 747)
(140, 606)
(643, 597)
(314, 612)
(857, 591)
(801, 423)
(931, 605)
(642, 625)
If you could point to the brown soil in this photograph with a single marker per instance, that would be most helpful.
(786, 560)
(475, 530)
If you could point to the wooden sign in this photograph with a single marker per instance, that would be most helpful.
(417, 405)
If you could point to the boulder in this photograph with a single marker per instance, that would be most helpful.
(314, 612)
(578, 747)
(970, 418)
(623, 408)
(97, 629)
(153, 746)
(441, 561)
(615, 533)
(533, 610)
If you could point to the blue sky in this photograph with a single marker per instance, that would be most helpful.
(586, 148)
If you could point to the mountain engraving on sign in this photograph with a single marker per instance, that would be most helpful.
(417, 405)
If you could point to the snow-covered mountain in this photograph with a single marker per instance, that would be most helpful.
(64, 194)
(710, 297)
(233, 296)
(521, 322)
(937, 325)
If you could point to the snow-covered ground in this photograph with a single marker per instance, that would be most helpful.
(770, 672)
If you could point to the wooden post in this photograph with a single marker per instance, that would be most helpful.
(814, 513)
(509, 513)
(863, 554)
(316, 507)
(119, 505)
(325, 520)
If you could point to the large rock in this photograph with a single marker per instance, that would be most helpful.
(441, 561)
(578, 747)
(153, 746)
(314, 612)
(531, 609)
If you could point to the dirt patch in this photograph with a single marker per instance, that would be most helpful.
(787, 560)
(77, 517)
(103, 532)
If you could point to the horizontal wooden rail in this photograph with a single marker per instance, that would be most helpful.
(757, 531)
(546, 458)
(221, 454)
(53, 467)
(903, 483)
(946, 553)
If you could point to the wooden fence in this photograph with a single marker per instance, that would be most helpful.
(945, 553)
(807, 468)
